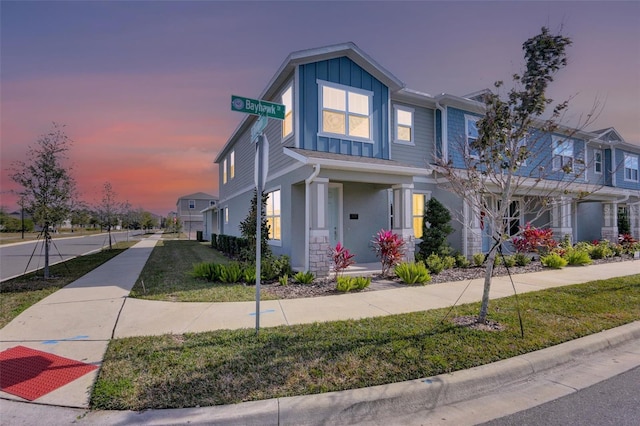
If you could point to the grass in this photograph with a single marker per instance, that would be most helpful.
(166, 276)
(20, 293)
(226, 367)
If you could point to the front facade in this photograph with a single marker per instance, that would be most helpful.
(355, 153)
(189, 209)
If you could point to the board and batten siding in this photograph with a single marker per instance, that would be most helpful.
(420, 153)
(345, 72)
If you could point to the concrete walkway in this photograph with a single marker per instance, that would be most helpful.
(79, 320)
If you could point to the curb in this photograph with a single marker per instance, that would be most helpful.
(384, 401)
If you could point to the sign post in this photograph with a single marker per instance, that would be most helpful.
(264, 110)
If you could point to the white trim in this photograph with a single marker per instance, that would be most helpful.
(274, 189)
(412, 127)
(468, 118)
(555, 141)
(288, 86)
(595, 151)
(624, 166)
(346, 136)
(296, 107)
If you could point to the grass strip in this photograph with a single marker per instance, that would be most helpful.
(22, 292)
(166, 275)
(226, 367)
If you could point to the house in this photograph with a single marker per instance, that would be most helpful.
(189, 210)
(210, 222)
(355, 153)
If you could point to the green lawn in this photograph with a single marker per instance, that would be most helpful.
(20, 293)
(166, 275)
(226, 367)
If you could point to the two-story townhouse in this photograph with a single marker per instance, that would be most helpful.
(355, 154)
(189, 209)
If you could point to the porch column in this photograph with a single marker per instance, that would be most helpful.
(561, 214)
(319, 261)
(474, 224)
(634, 220)
(610, 226)
(403, 218)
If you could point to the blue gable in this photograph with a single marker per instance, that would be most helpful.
(345, 72)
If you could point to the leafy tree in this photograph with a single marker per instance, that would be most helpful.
(502, 165)
(248, 229)
(147, 220)
(436, 226)
(48, 189)
(109, 210)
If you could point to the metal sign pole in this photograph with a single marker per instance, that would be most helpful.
(258, 229)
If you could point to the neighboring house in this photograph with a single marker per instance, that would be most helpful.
(355, 154)
(189, 210)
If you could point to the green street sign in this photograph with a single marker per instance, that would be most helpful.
(257, 107)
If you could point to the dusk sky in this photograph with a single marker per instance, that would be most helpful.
(144, 88)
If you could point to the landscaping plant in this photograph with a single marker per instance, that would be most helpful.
(534, 240)
(304, 277)
(412, 272)
(341, 258)
(389, 247)
(553, 260)
(346, 284)
(435, 229)
(577, 257)
(435, 263)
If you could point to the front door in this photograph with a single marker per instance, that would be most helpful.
(335, 209)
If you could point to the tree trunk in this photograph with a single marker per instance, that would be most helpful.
(47, 241)
(484, 308)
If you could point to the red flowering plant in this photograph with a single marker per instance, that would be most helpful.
(389, 247)
(532, 239)
(341, 258)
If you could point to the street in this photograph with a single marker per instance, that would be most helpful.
(16, 258)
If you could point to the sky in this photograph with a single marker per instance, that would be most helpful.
(144, 88)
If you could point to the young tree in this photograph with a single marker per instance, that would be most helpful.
(248, 228)
(48, 189)
(109, 209)
(508, 157)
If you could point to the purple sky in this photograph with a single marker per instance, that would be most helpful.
(144, 87)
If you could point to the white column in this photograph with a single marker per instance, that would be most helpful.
(561, 218)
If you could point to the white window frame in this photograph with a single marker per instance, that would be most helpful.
(397, 125)
(274, 241)
(192, 204)
(561, 160)
(224, 171)
(467, 119)
(632, 177)
(289, 111)
(226, 215)
(597, 162)
(347, 89)
(232, 165)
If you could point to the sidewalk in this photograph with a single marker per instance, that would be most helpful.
(79, 320)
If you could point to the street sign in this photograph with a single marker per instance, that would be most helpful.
(257, 107)
(258, 127)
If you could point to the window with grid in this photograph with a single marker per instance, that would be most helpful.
(597, 161)
(273, 215)
(631, 167)
(404, 124)
(562, 153)
(471, 133)
(345, 111)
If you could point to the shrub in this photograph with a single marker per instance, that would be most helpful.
(231, 273)
(601, 250)
(532, 239)
(207, 270)
(497, 261)
(553, 260)
(577, 257)
(273, 267)
(345, 284)
(462, 261)
(389, 247)
(478, 259)
(509, 261)
(249, 274)
(628, 243)
(521, 259)
(341, 258)
(412, 273)
(284, 280)
(448, 262)
(434, 263)
(304, 277)
(435, 229)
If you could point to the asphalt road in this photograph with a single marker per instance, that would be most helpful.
(16, 258)
(613, 402)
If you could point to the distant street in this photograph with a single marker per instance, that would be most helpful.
(14, 258)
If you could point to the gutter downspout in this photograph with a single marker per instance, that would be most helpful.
(307, 213)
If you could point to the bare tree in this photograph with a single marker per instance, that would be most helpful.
(109, 209)
(48, 189)
(510, 155)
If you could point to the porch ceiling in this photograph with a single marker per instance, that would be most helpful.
(356, 164)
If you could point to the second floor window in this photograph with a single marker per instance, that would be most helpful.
(597, 161)
(224, 171)
(631, 167)
(404, 124)
(232, 164)
(287, 101)
(562, 154)
(192, 204)
(345, 111)
(471, 133)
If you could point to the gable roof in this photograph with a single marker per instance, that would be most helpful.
(197, 196)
